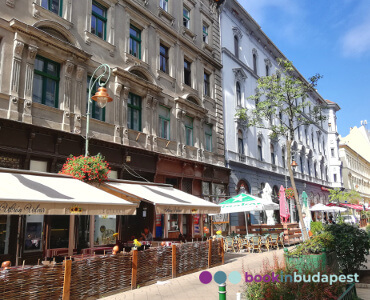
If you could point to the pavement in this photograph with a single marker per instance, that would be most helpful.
(189, 286)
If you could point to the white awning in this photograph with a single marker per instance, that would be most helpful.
(27, 193)
(167, 200)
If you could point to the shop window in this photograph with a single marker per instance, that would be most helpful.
(55, 6)
(59, 231)
(164, 122)
(134, 112)
(37, 165)
(46, 82)
(4, 233)
(99, 20)
(97, 112)
(105, 227)
(33, 233)
(135, 41)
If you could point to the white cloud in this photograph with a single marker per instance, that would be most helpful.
(356, 41)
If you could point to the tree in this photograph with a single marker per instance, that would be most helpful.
(280, 103)
(338, 196)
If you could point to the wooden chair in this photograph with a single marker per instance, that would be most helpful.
(274, 241)
(228, 244)
(244, 244)
(281, 239)
(255, 243)
(265, 242)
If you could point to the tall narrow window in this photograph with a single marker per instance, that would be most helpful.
(46, 82)
(97, 112)
(135, 41)
(99, 20)
(283, 157)
(53, 5)
(281, 117)
(309, 167)
(323, 147)
(236, 46)
(255, 63)
(134, 112)
(307, 137)
(240, 143)
(259, 148)
(332, 152)
(164, 122)
(207, 91)
(164, 4)
(272, 152)
(189, 130)
(163, 58)
(314, 169)
(299, 133)
(238, 94)
(208, 136)
(335, 177)
(313, 141)
(267, 70)
(205, 33)
(301, 164)
(187, 72)
(186, 17)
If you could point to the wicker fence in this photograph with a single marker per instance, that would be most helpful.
(100, 275)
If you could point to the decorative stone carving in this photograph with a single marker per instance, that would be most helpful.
(240, 75)
(80, 73)
(18, 48)
(126, 90)
(237, 32)
(254, 51)
(28, 104)
(32, 51)
(69, 68)
(14, 100)
(268, 62)
(10, 3)
(117, 89)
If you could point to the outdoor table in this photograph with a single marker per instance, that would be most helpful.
(96, 250)
(58, 252)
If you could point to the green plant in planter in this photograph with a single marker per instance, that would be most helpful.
(314, 245)
(351, 245)
(316, 227)
(86, 168)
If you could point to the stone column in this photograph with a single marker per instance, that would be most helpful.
(79, 95)
(126, 91)
(30, 66)
(147, 118)
(154, 123)
(117, 101)
(66, 104)
(14, 84)
(180, 132)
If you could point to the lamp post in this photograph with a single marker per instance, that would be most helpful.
(101, 97)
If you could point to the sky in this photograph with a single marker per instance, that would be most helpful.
(329, 37)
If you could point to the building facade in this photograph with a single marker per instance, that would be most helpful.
(255, 159)
(354, 152)
(165, 122)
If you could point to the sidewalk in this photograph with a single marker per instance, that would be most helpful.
(189, 287)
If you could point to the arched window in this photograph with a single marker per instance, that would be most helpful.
(260, 157)
(255, 63)
(238, 94)
(240, 143)
(272, 152)
(236, 46)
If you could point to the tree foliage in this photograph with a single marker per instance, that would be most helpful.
(338, 196)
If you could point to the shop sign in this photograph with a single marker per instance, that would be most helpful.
(10, 208)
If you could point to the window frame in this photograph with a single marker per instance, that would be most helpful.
(187, 17)
(94, 103)
(209, 135)
(134, 108)
(272, 152)
(45, 76)
(136, 40)
(191, 128)
(238, 93)
(187, 69)
(205, 33)
(162, 120)
(259, 148)
(255, 63)
(163, 4)
(267, 70)
(60, 12)
(104, 19)
(236, 46)
(206, 84)
(164, 56)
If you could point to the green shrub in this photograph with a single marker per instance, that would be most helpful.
(316, 227)
(351, 245)
(368, 229)
(314, 245)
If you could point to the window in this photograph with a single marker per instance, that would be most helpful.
(46, 82)
(186, 17)
(163, 58)
(301, 163)
(97, 112)
(309, 167)
(267, 70)
(283, 157)
(164, 4)
(33, 233)
(208, 136)
(55, 6)
(207, 91)
(236, 46)
(189, 130)
(105, 227)
(335, 177)
(255, 63)
(240, 143)
(238, 94)
(260, 157)
(323, 147)
(299, 133)
(187, 72)
(135, 41)
(332, 152)
(313, 141)
(134, 112)
(314, 169)
(164, 122)
(205, 33)
(4, 233)
(272, 154)
(99, 20)
(306, 134)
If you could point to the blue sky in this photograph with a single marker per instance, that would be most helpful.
(330, 37)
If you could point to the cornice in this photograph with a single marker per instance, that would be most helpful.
(238, 61)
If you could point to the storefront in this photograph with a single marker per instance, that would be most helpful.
(46, 215)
